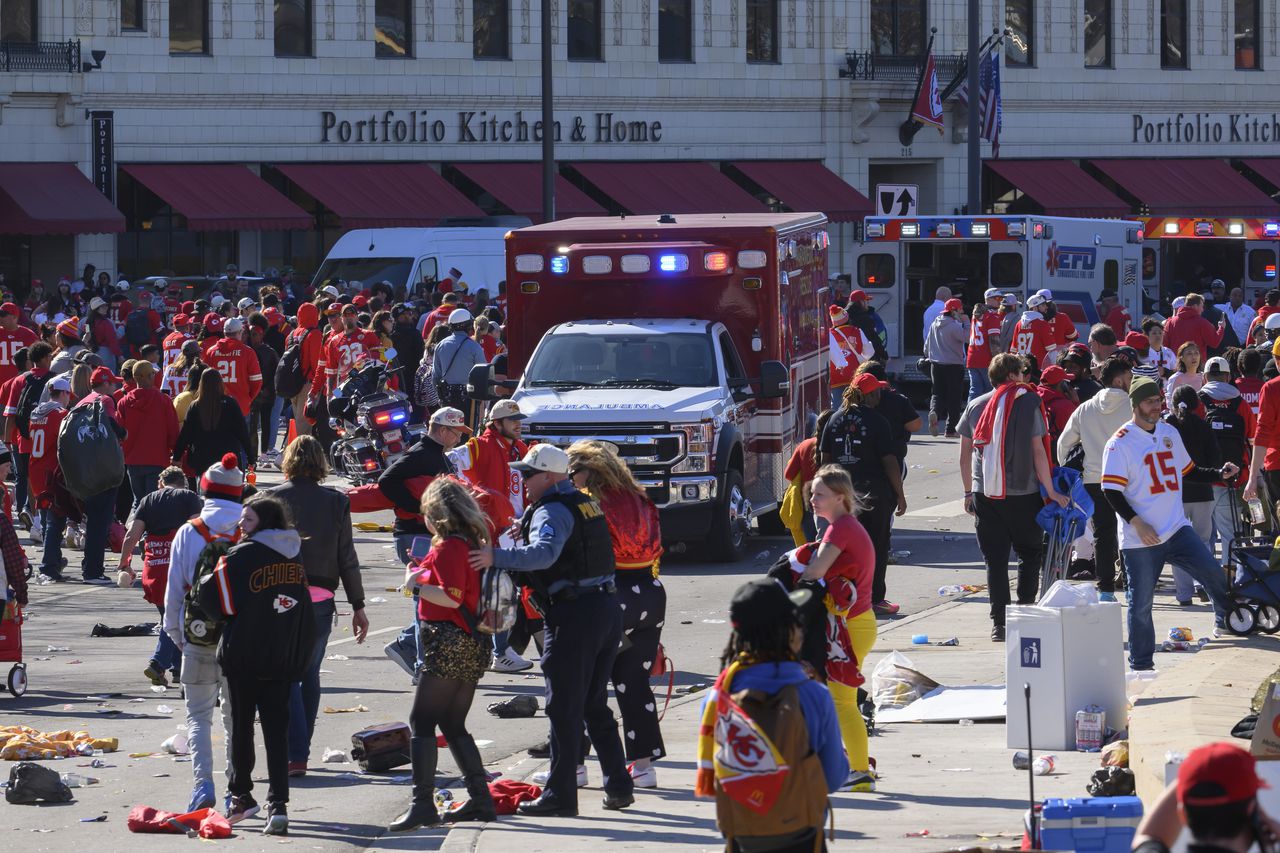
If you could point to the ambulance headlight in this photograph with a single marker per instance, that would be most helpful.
(983, 229)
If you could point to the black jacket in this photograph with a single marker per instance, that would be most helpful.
(205, 447)
(323, 517)
(261, 587)
(409, 349)
(425, 459)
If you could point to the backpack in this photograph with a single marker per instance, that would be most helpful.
(424, 385)
(768, 781)
(89, 451)
(290, 377)
(199, 627)
(28, 400)
(137, 327)
(496, 609)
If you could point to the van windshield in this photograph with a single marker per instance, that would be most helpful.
(368, 270)
(621, 361)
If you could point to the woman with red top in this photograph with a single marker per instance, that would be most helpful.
(846, 552)
(801, 468)
(453, 657)
(637, 548)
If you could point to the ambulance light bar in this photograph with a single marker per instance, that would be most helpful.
(946, 229)
(1134, 235)
(1269, 271)
(910, 229)
(597, 264)
(1203, 229)
(715, 261)
(1171, 227)
(875, 229)
(673, 263)
(635, 263)
(1235, 229)
(559, 264)
(529, 263)
(1013, 229)
(754, 259)
(983, 229)
(1271, 229)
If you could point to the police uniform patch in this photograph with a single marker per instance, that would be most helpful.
(546, 531)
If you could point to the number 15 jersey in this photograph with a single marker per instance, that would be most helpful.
(1147, 468)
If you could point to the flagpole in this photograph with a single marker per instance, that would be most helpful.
(908, 129)
(974, 202)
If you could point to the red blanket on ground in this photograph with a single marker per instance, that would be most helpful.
(208, 823)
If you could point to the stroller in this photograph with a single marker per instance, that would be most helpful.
(11, 645)
(1254, 585)
(1064, 525)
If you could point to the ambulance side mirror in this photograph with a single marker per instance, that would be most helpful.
(775, 380)
(480, 382)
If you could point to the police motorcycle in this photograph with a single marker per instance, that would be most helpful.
(371, 422)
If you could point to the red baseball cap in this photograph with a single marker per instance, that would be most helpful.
(866, 383)
(101, 375)
(1217, 774)
(1137, 340)
(953, 304)
(213, 322)
(181, 320)
(188, 308)
(1052, 375)
(10, 309)
(859, 296)
(360, 300)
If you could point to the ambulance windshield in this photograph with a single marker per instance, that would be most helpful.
(622, 361)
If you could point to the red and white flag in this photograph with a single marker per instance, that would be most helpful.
(928, 106)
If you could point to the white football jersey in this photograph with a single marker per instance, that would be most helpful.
(1148, 467)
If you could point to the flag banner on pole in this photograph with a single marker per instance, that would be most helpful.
(928, 106)
(991, 117)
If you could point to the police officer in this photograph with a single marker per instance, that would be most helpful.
(567, 561)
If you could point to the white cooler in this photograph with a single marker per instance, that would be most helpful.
(1072, 657)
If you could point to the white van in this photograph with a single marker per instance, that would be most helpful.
(414, 259)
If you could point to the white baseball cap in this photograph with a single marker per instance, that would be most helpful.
(331, 290)
(1178, 302)
(450, 417)
(505, 409)
(1011, 299)
(459, 315)
(245, 303)
(543, 458)
(235, 324)
(993, 293)
(1217, 364)
(1046, 294)
(1272, 322)
(1035, 300)
(60, 383)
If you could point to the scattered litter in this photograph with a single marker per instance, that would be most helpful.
(919, 639)
(443, 798)
(932, 471)
(102, 818)
(953, 641)
(141, 754)
(515, 707)
(68, 707)
(22, 743)
(337, 657)
(685, 690)
(920, 833)
(74, 662)
(58, 649)
(686, 621)
(176, 744)
(377, 599)
(1111, 782)
(97, 763)
(181, 758)
(159, 688)
(159, 775)
(1116, 754)
(143, 629)
(1044, 764)
(712, 621)
(901, 555)
(391, 589)
(134, 701)
(334, 756)
(45, 657)
(41, 830)
(916, 467)
(357, 708)
(763, 555)
(965, 722)
(31, 783)
(915, 755)
(483, 743)
(164, 709)
(957, 770)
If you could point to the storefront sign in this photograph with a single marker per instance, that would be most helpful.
(1207, 128)
(416, 127)
(102, 127)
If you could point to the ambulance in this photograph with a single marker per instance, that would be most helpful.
(1183, 254)
(901, 262)
(694, 344)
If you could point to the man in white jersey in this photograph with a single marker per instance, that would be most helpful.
(1142, 469)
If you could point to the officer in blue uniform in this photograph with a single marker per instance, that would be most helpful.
(567, 561)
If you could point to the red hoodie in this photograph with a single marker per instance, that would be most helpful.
(1186, 325)
(149, 417)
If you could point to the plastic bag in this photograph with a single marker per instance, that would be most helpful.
(1067, 594)
(1111, 782)
(31, 783)
(515, 707)
(1116, 754)
(895, 683)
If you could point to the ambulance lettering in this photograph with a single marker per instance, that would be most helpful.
(1071, 261)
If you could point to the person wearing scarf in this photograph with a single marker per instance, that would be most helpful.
(1002, 482)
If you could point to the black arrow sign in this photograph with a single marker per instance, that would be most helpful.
(886, 202)
(906, 202)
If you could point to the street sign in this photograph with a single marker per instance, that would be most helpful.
(897, 199)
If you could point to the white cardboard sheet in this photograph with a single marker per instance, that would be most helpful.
(951, 704)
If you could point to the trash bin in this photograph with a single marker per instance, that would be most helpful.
(1072, 657)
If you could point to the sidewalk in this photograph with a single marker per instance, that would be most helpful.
(958, 783)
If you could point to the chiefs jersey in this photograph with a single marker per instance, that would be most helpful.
(171, 349)
(10, 343)
(981, 333)
(341, 352)
(1064, 331)
(849, 347)
(1033, 336)
(1147, 468)
(46, 420)
(238, 364)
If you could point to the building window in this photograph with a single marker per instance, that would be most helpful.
(585, 33)
(132, 15)
(293, 27)
(393, 28)
(189, 27)
(898, 27)
(1019, 20)
(18, 20)
(1173, 33)
(762, 30)
(491, 29)
(675, 30)
(1097, 33)
(1248, 26)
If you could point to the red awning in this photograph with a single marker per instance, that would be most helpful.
(1061, 187)
(53, 198)
(381, 195)
(519, 187)
(221, 197)
(1267, 167)
(1188, 187)
(669, 188)
(806, 185)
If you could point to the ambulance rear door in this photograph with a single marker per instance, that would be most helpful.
(879, 271)
(1260, 258)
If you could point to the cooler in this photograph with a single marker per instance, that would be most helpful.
(1072, 657)
(1106, 824)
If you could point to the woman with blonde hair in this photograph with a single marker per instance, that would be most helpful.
(637, 548)
(453, 657)
(80, 381)
(846, 552)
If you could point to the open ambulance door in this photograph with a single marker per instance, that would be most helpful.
(880, 272)
(1259, 267)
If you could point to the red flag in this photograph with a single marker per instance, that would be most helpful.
(928, 106)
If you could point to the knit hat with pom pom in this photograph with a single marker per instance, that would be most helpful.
(223, 480)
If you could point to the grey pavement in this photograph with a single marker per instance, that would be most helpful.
(955, 782)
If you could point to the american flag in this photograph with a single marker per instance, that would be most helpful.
(990, 114)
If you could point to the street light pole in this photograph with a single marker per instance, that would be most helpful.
(975, 99)
(548, 122)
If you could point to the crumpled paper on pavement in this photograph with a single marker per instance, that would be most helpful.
(23, 743)
(357, 708)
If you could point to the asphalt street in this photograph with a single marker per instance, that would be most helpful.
(96, 684)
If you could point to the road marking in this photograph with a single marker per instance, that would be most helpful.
(371, 634)
(945, 510)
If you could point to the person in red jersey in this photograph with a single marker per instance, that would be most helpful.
(342, 351)
(46, 420)
(171, 347)
(984, 342)
(238, 364)
(1033, 335)
(1064, 331)
(13, 337)
(1114, 314)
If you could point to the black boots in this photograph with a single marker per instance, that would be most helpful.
(480, 805)
(422, 811)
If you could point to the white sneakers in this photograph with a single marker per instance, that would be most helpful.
(541, 777)
(510, 661)
(646, 778)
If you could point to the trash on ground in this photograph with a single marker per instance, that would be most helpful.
(334, 756)
(1021, 760)
(950, 705)
(919, 833)
(515, 707)
(176, 744)
(32, 783)
(19, 743)
(58, 649)
(1111, 782)
(1044, 764)
(377, 599)
(895, 683)
(353, 710)
(159, 688)
(164, 709)
(1116, 754)
(1090, 726)
(952, 641)
(144, 629)
(102, 818)
(337, 657)
(207, 823)
(919, 639)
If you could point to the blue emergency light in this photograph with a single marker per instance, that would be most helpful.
(560, 264)
(1271, 229)
(673, 263)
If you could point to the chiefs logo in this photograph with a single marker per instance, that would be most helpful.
(283, 603)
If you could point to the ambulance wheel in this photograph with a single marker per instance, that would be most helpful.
(1268, 618)
(18, 679)
(728, 540)
(1241, 620)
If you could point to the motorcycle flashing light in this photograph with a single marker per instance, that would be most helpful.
(1204, 229)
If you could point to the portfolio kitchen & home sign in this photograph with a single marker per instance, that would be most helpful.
(400, 127)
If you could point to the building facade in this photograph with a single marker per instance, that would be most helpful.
(122, 88)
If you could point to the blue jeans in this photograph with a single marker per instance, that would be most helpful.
(272, 426)
(304, 695)
(99, 512)
(1226, 518)
(167, 655)
(1185, 550)
(21, 464)
(55, 525)
(143, 479)
(979, 382)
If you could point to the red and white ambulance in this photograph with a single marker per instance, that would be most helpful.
(1185, 253)
(695, 344)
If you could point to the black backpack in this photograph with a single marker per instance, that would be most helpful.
(28, 400)
(290, 377)
(137, 327)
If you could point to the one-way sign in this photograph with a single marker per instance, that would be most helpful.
(897, 199)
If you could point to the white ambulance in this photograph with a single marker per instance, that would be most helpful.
(901, 262)
(1185, 253)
